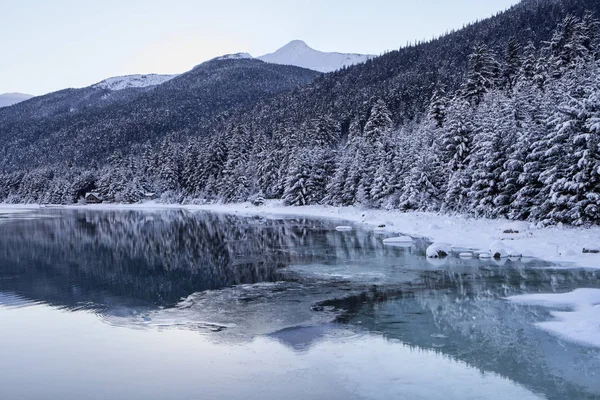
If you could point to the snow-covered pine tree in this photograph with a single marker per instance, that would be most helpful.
(169, 170)
(378, 124)
(575, 195)
(322, 168)
(512, 64)
(297, 185)
(487, 158)
(324, 132)
(454, 148)
(437, 108)
(235, 184)
(567, 45)
(483, 74)
(420, 191)
(336, 186)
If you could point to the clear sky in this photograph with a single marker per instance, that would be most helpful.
(51, 45)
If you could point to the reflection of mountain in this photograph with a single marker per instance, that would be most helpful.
(301, 338)
(464, 316)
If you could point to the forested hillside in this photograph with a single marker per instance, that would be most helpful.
(82, 127)
(499, 119)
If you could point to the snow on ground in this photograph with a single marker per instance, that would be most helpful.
(580, 324)
(562, 245)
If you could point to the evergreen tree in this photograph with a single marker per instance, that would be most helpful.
(482, 75)
(378, 124)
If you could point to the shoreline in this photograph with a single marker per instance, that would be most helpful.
(560, 245)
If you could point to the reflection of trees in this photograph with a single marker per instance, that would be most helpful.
(156, 258)
(126, 258)
(463, 315)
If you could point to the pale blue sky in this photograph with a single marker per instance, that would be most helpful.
(50, 45)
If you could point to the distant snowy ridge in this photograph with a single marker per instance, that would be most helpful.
(133, 81)
(8, 99)
(299, 54)
(236, 56)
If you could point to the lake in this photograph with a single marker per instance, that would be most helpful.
(174, 304)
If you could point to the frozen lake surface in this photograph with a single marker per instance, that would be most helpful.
(173, 304)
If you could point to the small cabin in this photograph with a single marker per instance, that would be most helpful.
(93, 198)
(150, 196)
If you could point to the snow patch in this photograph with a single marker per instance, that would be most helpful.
(580, 325)
(343, 228)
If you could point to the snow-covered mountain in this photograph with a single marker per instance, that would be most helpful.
(236, 56)
(8, 99)
(298, 53)
(132, 81)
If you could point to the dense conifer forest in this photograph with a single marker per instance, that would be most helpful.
(499, 119)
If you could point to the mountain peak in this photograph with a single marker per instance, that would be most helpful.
(298, 53)
(296, 43)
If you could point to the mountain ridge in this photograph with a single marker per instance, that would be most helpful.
(9, 99)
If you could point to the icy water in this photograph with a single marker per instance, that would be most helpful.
(181, 305)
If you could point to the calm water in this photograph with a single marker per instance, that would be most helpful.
(182, 305)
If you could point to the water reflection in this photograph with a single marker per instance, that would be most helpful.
(464, 316)
(298, 284)
(106, 258)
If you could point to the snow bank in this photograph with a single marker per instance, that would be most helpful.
(581, 324)
(548, 243)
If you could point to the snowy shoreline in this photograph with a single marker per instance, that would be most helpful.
(560, 245)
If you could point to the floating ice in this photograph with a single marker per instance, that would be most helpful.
(398, 240)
